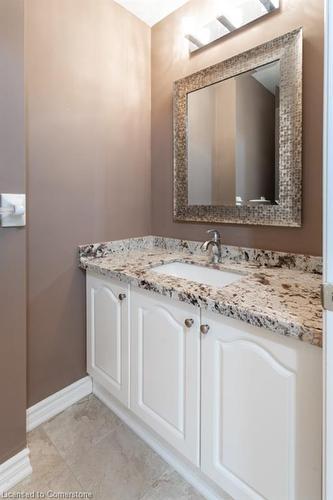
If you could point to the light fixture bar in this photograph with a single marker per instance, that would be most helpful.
(195, 41)
(229, 23)
(268, 4)
(226, 23)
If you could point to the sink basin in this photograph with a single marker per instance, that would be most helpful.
(200, 274)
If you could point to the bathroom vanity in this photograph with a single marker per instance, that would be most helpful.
(224, 375)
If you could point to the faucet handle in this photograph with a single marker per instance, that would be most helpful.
(215, 233)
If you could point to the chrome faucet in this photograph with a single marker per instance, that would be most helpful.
(216, 245)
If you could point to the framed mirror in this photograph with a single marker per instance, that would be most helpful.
(238, 138)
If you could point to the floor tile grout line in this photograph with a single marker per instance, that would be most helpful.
(49, 437)
(87, 398)
(68, 466)
(63, 459)
(167, 471)
(58, 455)
(61, 456)
(116, 424)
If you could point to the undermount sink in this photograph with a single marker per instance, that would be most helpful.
(200, 274)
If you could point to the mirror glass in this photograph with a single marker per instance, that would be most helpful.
(233, 140)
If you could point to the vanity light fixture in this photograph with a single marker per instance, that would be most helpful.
(268, 4)
(234, 15)
(199, 38)
(194, 41)
(226, 23)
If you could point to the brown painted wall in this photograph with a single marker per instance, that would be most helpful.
(171, 61)
(88, 133)
(12, 240)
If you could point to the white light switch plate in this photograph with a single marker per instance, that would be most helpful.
(8, 201)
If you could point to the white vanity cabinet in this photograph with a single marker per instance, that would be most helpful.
(239, 404)
(260, 412)
(108, 335)
(165, 369)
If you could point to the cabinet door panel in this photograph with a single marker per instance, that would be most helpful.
(253, 421)
(161, 352)
(165, 377)
(107, 335)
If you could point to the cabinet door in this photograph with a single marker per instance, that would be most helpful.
(261, 412)
(165, 369)
(107, 335)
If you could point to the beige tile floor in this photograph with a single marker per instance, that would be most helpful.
(88, 449)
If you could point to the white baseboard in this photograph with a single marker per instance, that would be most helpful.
(189, 472)
(58, 402)
(14, 470)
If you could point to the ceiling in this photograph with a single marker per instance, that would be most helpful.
(151, 11)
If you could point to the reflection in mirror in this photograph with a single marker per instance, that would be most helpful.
(233, 140)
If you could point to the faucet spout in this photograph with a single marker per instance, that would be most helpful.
(204, 247)
(215, 244)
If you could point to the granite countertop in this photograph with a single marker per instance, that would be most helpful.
(280, 292)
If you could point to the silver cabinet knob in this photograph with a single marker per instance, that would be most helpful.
(122, 296)
(204, 329)
(189, 322)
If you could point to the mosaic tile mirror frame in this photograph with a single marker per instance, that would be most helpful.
(287, 49)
